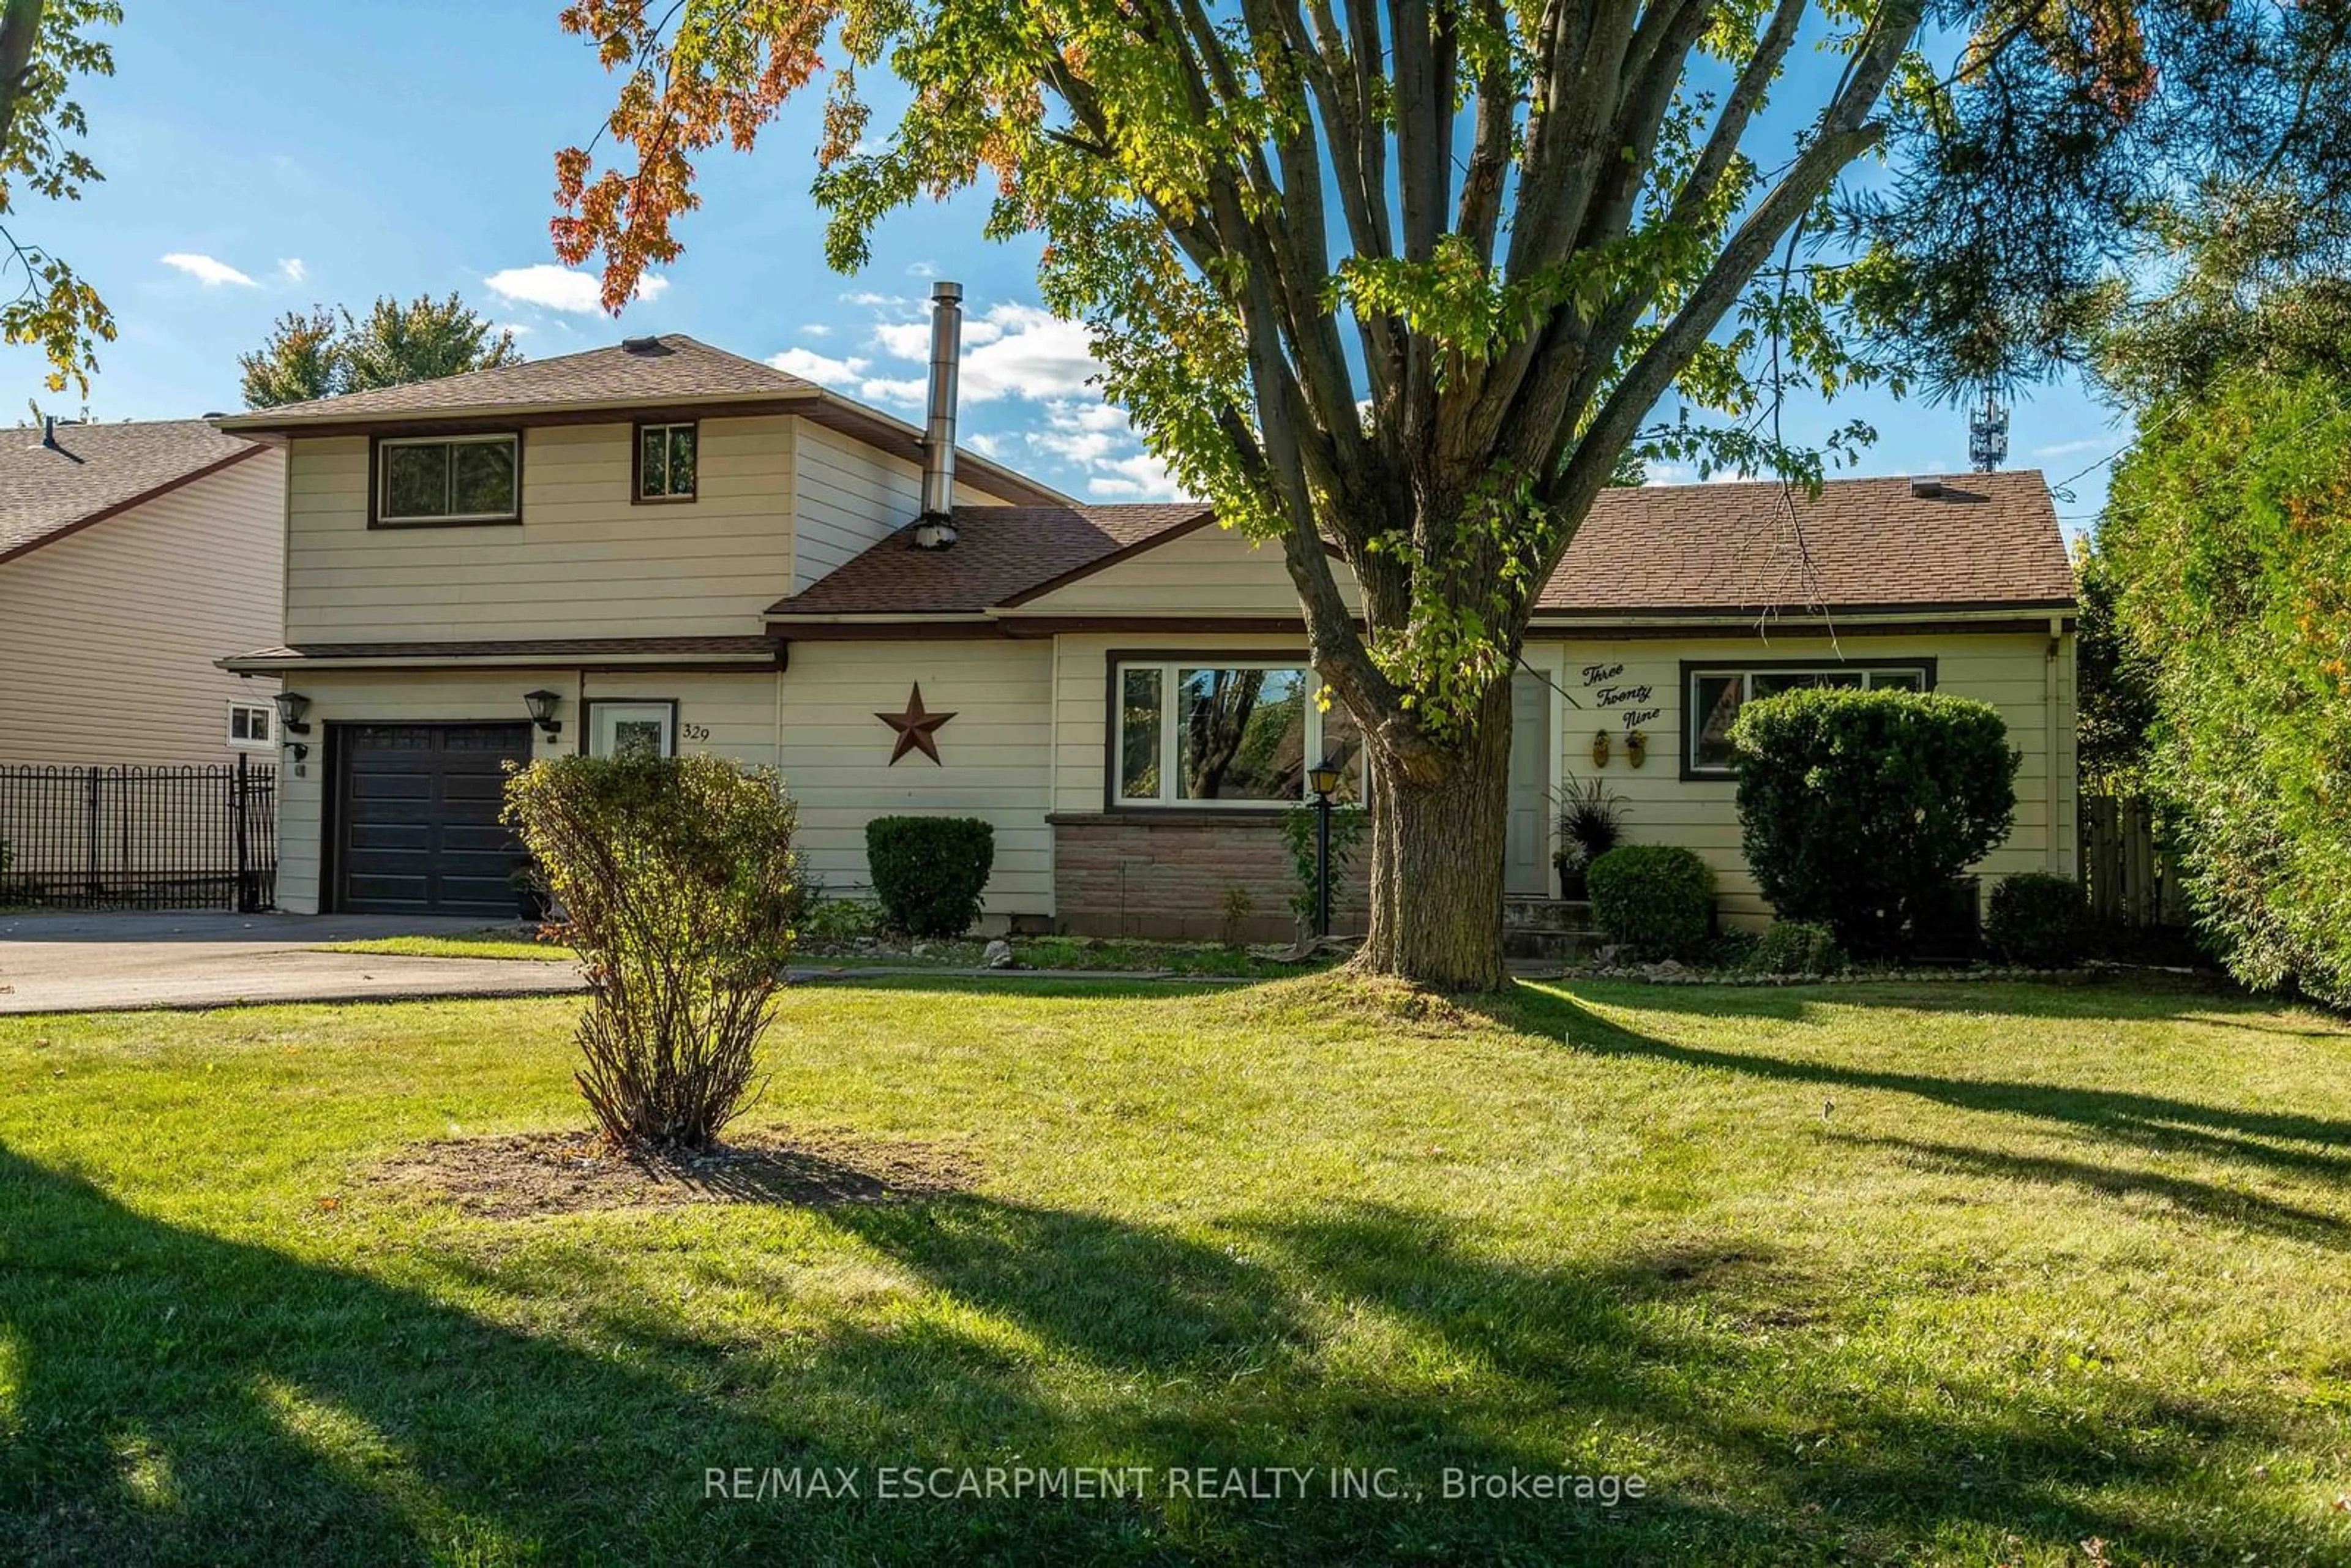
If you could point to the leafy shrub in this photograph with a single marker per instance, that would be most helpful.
(841, 919)
(2039, 920)
(929, 872)
(674, 876)
(1348, 825)
(1859, 809)
(1656, 898)
(1797, 947)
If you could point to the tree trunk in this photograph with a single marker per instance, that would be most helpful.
(1437, 862)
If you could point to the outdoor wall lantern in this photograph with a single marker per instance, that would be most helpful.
(543, 704)
(1637, 747)
(1600, 749)
(291, 706)
(1324, 778)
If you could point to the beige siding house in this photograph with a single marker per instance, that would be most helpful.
(131, 556)
(662, 545)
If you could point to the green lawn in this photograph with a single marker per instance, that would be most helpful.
(1033, 952)
(1885, 1273)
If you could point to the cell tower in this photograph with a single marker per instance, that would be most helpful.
(1988, 435)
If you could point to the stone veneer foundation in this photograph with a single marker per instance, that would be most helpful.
(1163, 876)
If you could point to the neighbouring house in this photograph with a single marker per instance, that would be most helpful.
(130, 555)
(661, 545)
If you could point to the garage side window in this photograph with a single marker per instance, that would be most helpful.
(439, 480)
(632, 729)
(250, 726)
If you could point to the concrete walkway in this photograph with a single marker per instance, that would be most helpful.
(112, 962)
(121, 962)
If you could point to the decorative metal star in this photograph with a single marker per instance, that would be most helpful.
(916, 729)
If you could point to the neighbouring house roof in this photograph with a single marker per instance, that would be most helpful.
(94, 472)
(520, 651)
(671, 372)
(1984, 541)
(1001, 554)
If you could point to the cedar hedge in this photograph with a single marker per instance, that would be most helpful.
(928, 871)
(1657, 899)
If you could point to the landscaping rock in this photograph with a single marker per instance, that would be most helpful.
(997, 955)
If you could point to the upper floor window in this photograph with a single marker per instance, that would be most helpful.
(1191, 733)
(666, 461)
(1712, 699)
(250, 726)
(449, 478)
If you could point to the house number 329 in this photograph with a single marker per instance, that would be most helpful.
(694, 731)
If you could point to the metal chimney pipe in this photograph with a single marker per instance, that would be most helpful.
(939, 431)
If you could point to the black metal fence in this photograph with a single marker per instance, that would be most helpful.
(139, 838)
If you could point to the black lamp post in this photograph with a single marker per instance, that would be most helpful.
(1324, 778)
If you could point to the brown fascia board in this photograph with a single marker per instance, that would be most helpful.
(829, 409)
(119, 508)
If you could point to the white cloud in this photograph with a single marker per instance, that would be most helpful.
(923, 269)
(557, 288)
(911, 393)
(985, 444)
(291, 269)
(2068, 449)
(212, 273)
(816, 329)
(520, 329)
(816, 366)
(867, 298)
(1031, 354)
(1140, 478)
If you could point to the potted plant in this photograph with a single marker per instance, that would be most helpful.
(532, 900)
(1590, 822)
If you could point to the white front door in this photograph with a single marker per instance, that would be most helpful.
(1526, 866)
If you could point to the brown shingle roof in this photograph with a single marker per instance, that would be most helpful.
(1986, 539)
(1000, 553)
(98, 470)
(672, 368)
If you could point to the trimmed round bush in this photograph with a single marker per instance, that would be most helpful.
(2039, 920)
(1657, 899)
(1797, 947)
(928, 871)
(1858, 808)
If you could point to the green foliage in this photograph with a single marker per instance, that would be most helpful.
(1656, 898)
(1349, 827)
(929, 872)
(47, 46)
(2039, 920)
(841, 919)
(2113, 687)
(1797, 947)
(1859, 808)
(328, 352)
(2229, 531)
(674, 874)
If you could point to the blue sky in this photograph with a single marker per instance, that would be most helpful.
(293, 152)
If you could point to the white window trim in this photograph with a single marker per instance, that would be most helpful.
(1166, 799)
(386, 517)
(1745, 675)
(616, 710)
(269, 740)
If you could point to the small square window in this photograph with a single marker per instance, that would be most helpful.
(666, 462)
(250, 726)
(632, 729)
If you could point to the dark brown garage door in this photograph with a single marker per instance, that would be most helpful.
(420, 818)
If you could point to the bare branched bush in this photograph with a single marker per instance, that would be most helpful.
(676, 879)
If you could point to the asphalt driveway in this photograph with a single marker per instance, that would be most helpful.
(112, 962)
